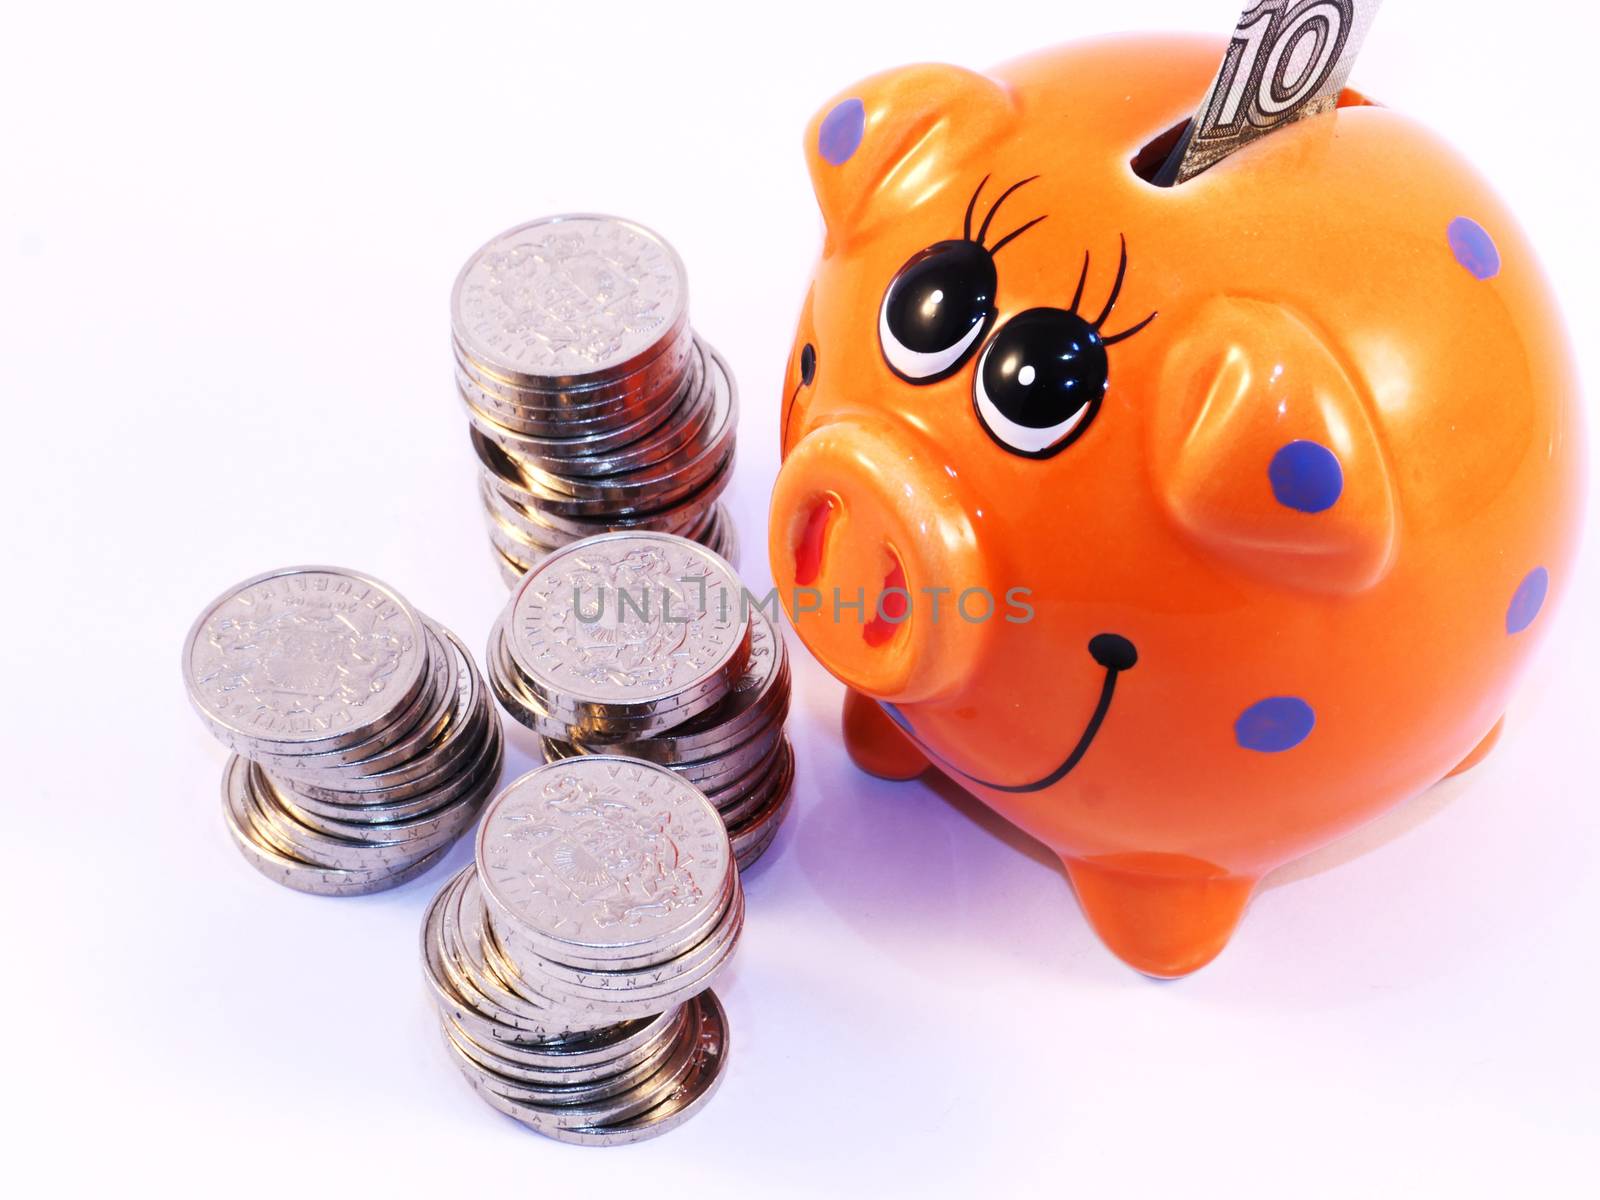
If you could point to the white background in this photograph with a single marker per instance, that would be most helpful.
(227, 237)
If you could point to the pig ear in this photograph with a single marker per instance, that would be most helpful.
(1265, 452)
(895, 140)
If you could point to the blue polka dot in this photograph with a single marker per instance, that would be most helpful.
(840, 135)
(1474, 248)
(1275, 724)
(1528, 600)
(1306, 476)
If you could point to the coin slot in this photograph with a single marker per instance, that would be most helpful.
(1153, 155)
(892, 605)
(813, 540)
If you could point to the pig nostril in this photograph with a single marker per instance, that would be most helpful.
(892, 604)
(808, 552)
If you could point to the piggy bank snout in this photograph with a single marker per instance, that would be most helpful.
(876, 558)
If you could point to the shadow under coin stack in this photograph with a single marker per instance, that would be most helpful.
(571, 962)
(646, 645)
(594, 407)
(364, 739)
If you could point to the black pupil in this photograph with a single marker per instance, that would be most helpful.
(940, 295)
(1043, 366)
(808, 364)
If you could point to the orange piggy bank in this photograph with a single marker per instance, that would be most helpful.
(1187, 527)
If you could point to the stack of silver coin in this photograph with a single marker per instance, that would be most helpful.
(594, 407)
(364, 739)
(647, 645)
(571, 962)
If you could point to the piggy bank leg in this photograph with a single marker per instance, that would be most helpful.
(1481, 751)
(876, 744)
(1163, 914)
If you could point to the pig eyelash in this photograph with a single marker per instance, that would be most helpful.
(983, 230)
(1111, 301)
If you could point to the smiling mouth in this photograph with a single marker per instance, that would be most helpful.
(1113, 652)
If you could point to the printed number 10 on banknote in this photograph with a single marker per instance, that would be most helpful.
(1288, 59)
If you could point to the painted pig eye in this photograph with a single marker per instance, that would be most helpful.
(1040, 381)
(936, 310)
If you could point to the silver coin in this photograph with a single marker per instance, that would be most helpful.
(358, 844)
(525, 527)
(484, 969)
(533, 988)
(506, 683)
(536, 528)
(510, 689)
(641, 498)
(580, 1057)
(276, 828)
(737, 806)
(476, 974)
(516, 552)
(676, 516)
(563, 463)
(703, 528)
(711, 415)
(655, 852)
(773, 808)
(757, 699)
(658, 488)
(567, 467)
(424, 718)
(569, 298)
(511, 571)
(307, 877)
(446, 742)
(605, 1006)
(730, 790)
(540, 407)
(448, 781)
(423, 705)
(593, 724)
(533, 1086)
(669, 637)
(757, 847)
(514, 545)
(461, 808)
(454, 993)
(647, 489)
(567, 443)
(563, 436)
(303, 659)
(657, 976)
(513, 954)
(588, 1101)
(515, 957)
(678, 1066)
(615, 995)
(687, 1097)
(760, 839)
(721, 535)
(569, 412)
(519, 543)
(554, 749)
(667, 517)
(735, 765)
(708, 740)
